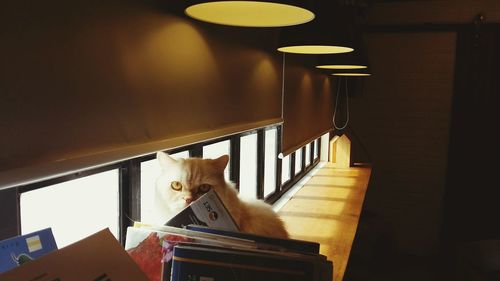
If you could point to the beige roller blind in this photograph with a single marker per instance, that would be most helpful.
(85, 83)
(308, 106)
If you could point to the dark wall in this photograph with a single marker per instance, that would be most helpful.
(473, 185)
(427, 119)
(8, 213)
(403, 120)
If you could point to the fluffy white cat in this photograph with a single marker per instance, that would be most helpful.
(184, 180)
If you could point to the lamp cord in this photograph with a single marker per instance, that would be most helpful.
(337, 102)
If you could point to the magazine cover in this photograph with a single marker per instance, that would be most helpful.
(208, 210)
(18, 250)
(145, 248)
(144, 244)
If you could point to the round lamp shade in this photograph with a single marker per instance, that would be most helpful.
(341, 66)
(315, 37)
(250, 13)
(346, 61)
(352, 74)
(314, 49)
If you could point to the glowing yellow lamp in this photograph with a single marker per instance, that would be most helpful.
(341, 66)
(315, 49)
(249, 13)
(351, 74)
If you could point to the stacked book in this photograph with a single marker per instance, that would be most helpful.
(198, 245)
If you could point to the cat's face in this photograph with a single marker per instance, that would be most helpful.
(182, 181)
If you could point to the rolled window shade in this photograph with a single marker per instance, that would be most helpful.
(104, 87)
(308, 107)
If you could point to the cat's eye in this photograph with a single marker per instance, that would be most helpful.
(204, 187)
(175, 185)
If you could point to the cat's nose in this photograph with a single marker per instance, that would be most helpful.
(188, 200)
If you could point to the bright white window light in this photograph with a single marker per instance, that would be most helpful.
(308, 154)
(216, 150)
(248, 166)
(316, 148)
(298, 160)
(270, 162)
(73, 209)
(285, 169)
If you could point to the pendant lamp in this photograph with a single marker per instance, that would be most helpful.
(351, 72)
(313, 38)
(329, 33)
(346, 61)
(254, 13)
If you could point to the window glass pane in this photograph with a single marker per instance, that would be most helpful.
(298, 160)
(308, 154)
(270, 162)
(285, 169)
(248, 166)
(316, 148)
(74, 209)
(216, 150)
(150, 170)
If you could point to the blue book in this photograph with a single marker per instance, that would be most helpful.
(18, 250)
(289, 244)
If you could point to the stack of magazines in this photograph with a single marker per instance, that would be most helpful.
(202, 243)
(203, 253)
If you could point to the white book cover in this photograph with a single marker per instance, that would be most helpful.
(208, 210)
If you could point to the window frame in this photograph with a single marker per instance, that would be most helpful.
(129, 173)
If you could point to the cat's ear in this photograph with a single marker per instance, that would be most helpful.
(221, 162)
(165, 159)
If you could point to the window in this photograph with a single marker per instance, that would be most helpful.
(73, 209)
(216, 150)
(308, 154)
(248, 166)
(285, 169)
(79, 207)
(150, 170)
(270, 161)
(316, 148)
(298, 160)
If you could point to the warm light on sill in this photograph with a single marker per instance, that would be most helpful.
(249, 13)
(351, 74)
(315, 49)
(341, 66)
